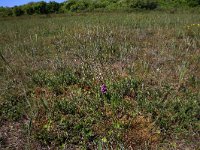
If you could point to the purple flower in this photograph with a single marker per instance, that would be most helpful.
(103, 89)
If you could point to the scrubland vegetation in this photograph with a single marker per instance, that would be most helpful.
(52, 70)
(67, 6)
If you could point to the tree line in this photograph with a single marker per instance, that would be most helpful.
(94, 5)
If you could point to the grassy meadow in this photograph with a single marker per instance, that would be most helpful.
(52, 68)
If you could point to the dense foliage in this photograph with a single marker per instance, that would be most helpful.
(91, 5)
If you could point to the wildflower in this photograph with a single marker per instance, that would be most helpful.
(103, 89)
(104, 140)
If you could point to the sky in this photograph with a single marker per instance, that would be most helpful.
(11, 3)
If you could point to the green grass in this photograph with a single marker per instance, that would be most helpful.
(51, 70)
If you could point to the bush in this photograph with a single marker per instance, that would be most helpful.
(53, 7)
(144, 4)
(17, 11)
(6, 12)
(193, 3)
(29, 10)
(40, 8)
(80, 6)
